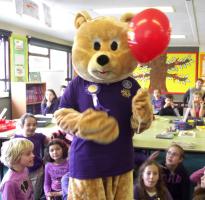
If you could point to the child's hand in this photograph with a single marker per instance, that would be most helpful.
(202, 103)
(48, 104)
(154, 155)
(203, 181)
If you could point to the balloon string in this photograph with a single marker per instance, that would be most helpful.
(139, 124)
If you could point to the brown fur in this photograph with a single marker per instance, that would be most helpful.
(98, 126)
(110, 188)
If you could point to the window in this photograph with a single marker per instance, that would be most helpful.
(4, 66)
(48, 56)
(59, 60)
(52, 60)
(38, 58)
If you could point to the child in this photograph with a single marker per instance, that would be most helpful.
(62, 90)
(199, 192)
(17, 155)
(50, 102)
(175, 175)
(197, 106)
(28, 124)
(157, 101)
(150, 185)
(169, 107)
(64, 185)
(57, 166)
(196, 176)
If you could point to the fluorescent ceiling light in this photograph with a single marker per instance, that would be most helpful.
(178, 36)
(165, 9)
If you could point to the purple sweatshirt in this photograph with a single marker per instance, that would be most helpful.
(16, 186)
(50, 110)
(89, 159)
(158, 104)
(177, 182)
(53, 175)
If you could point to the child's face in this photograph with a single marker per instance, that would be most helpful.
(168, 101)
(156, 93)
(150, 176)
(197, 98)
(173, 157)
(56, 152)
(29, 126)
(49, 96)
(199, 84)
(27, 158)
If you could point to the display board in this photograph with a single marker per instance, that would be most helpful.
(201, 65)
(19, 58)
(171, 72)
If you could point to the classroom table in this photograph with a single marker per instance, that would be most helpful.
(147, 139)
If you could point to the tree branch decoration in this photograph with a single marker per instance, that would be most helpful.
(160, 69)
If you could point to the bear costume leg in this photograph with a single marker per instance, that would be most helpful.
(110, 188)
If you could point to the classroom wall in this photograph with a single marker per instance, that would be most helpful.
(54, 79)
(202, 49)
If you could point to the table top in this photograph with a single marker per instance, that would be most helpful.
(148, 140)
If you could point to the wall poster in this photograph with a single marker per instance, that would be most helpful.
(19, 58)
(170, 72)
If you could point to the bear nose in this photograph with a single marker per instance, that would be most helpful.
(102, 60)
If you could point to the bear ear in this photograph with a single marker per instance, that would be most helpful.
(127, 17)
(80, 18)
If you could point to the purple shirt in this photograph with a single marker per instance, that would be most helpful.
(50, 110)
(89, 159)
(16, 186)
(158, 104)
(53, 175)
(38, 140)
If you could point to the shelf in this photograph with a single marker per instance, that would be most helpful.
(26, 97)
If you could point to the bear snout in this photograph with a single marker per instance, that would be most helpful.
(103, 60)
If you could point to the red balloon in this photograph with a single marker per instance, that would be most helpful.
(148, 34)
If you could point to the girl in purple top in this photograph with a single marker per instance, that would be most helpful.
(150, 185)
(56, 156)
(17, 154)
(28, 124)
(158, 101)
(50, 102)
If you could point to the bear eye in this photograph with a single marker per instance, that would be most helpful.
(114, 45)
(96, 45)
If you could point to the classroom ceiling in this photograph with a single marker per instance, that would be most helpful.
(188, 18)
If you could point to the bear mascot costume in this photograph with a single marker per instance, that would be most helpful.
(102, 107)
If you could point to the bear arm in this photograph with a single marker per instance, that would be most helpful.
(142, 111)
(67, 119)
(97, 126)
